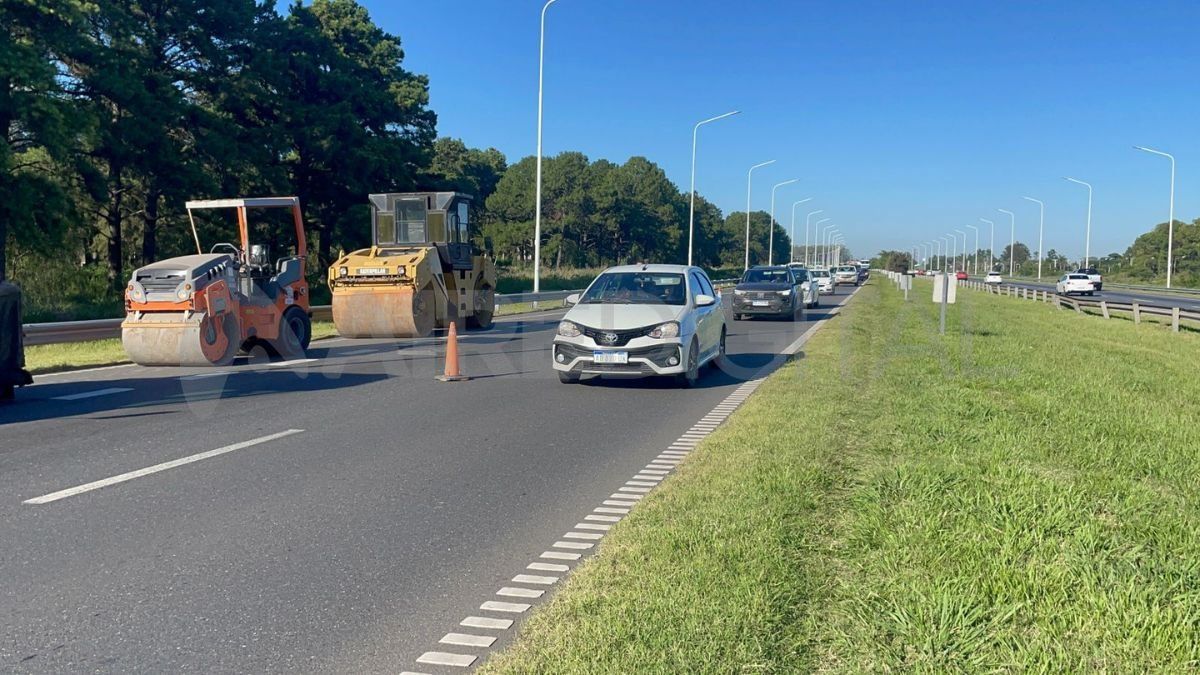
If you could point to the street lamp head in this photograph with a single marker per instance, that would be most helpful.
(786, 182)
(798, 203)
(719, 117)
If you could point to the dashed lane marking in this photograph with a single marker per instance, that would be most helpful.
(488, 622)
(576, 545)
(510, 607)
(517, 592)
(92, 394)
(602, 519)
(593, 536)
(534, 579)
(468, 640)
(548, 567)
(560, 555)
(446, 659)
(592, 526)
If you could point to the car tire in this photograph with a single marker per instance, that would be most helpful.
(691, 376)
(718, 361)
(567, 377)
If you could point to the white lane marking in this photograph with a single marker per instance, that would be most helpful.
(446, 659)
(514, 592)
(358, 352)
(467, 640)
(593, 536)
(603, 519)
(654, 472)
(96, 485)
(663, 464)
(37, 378)
(547, 567)
(642, 490)
(592, 526)
(486, 622)
(636, 483)
(409, 672)
(92, 394)
(676, 454)
(650, 478)
(280, 364)
(204, 376)
(559, 555)
(534, 579)
(609, 509)
(623, 496)
(617, 502)
(577, 545)
(497, 606)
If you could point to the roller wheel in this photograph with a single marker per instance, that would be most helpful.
(485, 307)
(295, 333)
(211, 334)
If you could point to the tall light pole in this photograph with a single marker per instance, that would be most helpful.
(939, 243)
(838, 241)
(792, 248)
(749, 176)
(991, 246)
(825, 240)
(951, 248)
(1171, 217)
(807, 223)
(817, 239)
(1087, 242)
(1012, 244)
(537, 211)
(976, 254)
(964, 249)
(1041, 228)
(692, 205)
(771, 224)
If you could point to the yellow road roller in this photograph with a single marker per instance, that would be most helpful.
(421, 273)
(199, 310)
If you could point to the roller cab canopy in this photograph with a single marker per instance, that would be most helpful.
(424, 219)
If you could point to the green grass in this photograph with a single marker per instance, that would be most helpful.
(1021, 494)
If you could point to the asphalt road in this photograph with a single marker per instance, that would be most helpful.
(352, 544)
(1120, 295)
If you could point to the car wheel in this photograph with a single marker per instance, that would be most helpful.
(718, 361)
(567, 377)
(691, 376)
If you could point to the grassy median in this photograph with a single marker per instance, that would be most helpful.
(1021, 494)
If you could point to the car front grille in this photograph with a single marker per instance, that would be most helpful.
(657, 354)
(619, 338)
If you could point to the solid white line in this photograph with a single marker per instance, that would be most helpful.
(280, 364)
(514, 592)
(202, 376)
(546, 567)
(592, 526)
(534, 579)
(467, 640)
(603, 519)
(559, 555)
(96, 485)
(358, 352)
(37, 378)
(446, 659)
(608, 509)
(577, 545)
(91, 394)
(593, 536)
(486, 622)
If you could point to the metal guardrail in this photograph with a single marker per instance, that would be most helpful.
(100, 329)
(1106, 307)
(1113, 285)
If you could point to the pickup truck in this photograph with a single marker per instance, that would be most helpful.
(1094, 275)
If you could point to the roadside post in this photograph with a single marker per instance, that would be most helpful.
(905, 284)
(945, 294)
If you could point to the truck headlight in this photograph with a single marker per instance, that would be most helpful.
(569, 329)
(136, 292)
(343, 271)
(669, 329)
(184, 291)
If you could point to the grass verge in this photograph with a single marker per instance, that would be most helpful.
(1020, 494)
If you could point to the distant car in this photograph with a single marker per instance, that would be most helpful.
(637, 320)
(992, 278)
(824, 279)
(1074, 283)
(961, 275)
(1093, 275)
(846, 274)
(775, 291)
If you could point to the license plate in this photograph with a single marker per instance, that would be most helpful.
(372, 270)
(762, 303)
(610, 357)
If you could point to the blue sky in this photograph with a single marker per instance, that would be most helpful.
(903, 120)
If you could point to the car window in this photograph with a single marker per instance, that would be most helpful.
(636, 288)
(801, 276)
(694, 285)
(706, 287)
(766, 276)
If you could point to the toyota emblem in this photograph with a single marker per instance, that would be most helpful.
(608, 338)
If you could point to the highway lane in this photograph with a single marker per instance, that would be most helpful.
(1120, 295)
(350, 546)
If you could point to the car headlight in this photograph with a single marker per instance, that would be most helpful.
(786, 293)
(737, 292)
(568, 329)
(184, 291)
(343, 271)
(137, 292)
(669, 329)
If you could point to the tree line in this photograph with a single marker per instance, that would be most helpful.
(117, 111)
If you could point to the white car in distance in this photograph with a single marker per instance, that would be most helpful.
(824, 279)
(1075, 283)
(992, 278)
(641, 320)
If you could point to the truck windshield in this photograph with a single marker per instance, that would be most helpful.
(636, 288)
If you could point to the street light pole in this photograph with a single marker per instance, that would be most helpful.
(1087, 244)
(537, 211)
(964, 250)
(1171, 217)
(952, 249)
(1041, 228)
(976, 254)
(749, 175)
(807, 223)
(692, 204)
(991, 246)
(792, 247)
(825, 233)
(818, 239)
(1012, 244)
(771, 224)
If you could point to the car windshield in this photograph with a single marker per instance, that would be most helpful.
(1078, 276)
(820, 274)
(636, 288)
(766, 276)
(847, 269)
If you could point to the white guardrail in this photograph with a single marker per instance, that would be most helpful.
(100, 329)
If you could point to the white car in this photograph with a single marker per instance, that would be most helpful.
(1075, 283)
(846, 274)
(992, 278)
(809, 287)
(638, 320)
(824, 279)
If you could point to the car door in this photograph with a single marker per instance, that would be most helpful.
(705, 316)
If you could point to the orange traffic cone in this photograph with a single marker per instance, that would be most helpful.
(451, 373)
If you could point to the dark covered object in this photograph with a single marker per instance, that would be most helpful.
(12, 354)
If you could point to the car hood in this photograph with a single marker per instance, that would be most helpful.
(761, 286)
(623, 317)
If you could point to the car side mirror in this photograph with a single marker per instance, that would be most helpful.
(573, 299)
(703, 300)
